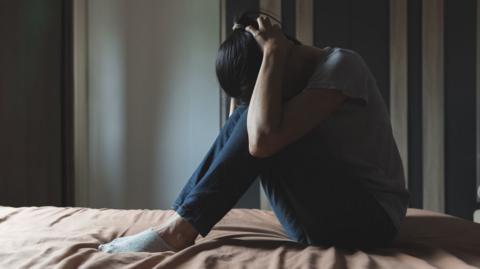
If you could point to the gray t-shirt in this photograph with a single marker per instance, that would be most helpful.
(359, 134)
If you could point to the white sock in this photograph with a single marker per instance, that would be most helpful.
(146, 241)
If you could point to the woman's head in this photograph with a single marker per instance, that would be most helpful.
(239, 58)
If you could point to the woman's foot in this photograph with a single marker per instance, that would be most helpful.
(175, 235)
(177, 232)
(146, 241)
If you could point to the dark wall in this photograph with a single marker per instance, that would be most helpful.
(460, 107)
(33, 79)
(414, 113)
(360, 26)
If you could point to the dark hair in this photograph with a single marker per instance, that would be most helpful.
(239, 58)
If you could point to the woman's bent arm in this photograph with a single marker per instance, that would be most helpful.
(265, 109)
(271, 124)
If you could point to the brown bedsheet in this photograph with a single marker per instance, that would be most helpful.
(55, 237)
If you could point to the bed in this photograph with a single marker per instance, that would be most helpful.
(67, 237)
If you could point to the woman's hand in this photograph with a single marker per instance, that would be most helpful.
(269, 37)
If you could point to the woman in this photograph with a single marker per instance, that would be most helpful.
(312, 123)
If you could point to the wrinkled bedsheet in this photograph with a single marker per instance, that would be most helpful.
(67, 237)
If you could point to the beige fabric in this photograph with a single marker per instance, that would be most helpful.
(54, 237)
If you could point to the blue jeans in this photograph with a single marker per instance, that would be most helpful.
(313, 211)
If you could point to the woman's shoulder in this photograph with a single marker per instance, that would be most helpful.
(343, 55)
(341, 60)
(342, 69)
(339, 50)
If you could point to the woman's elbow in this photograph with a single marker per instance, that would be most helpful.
(259, 148)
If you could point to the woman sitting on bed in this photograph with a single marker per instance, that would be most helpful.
(312, 124)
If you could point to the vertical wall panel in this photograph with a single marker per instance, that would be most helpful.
(288, 17)
(415, 134)
(370, 37)
(478, 106)
(332, 23)
(398, 78)
(363, 28)
(433, 104)
(460, 120)
(304, 21)
(224, 99)
(81, 102)
(66, 80)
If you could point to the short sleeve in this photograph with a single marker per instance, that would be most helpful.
(344, 70)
